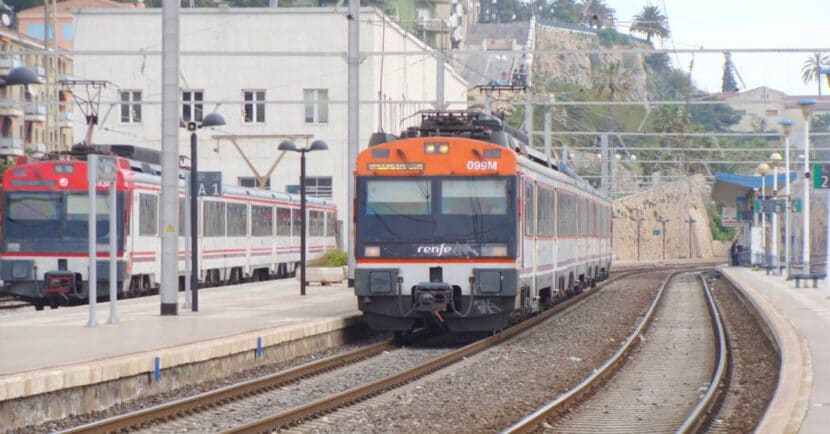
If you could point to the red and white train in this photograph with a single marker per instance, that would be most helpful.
(245, 234)
(460, 225)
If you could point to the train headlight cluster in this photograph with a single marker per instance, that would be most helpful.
(371, 251)
(492, 250)
(436, 148)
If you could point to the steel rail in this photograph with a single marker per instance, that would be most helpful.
(531, 422)
(228, 393)
(701, 412)
(325, 405)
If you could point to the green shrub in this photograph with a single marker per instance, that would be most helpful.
(332, 258)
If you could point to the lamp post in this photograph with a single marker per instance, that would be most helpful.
(774, 162)
(762, 170)
(19, 76)
(806, 111)
(663, 220)
(317, 145)
(211, 120)
(786, 126)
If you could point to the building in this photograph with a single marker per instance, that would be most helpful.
(762, 107)
(26, 111)
(31, 21)
(274, 74)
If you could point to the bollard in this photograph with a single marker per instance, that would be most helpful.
(157, 369)
(258, 347)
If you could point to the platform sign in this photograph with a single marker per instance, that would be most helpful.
(796, 205)
(209, 183)
(773, 205)
(729, 216)
(821, 176)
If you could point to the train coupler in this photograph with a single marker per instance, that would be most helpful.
(432, 296)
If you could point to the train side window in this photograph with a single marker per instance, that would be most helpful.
(148, 217)
(262, 221)
(283, 222)
(331, 224)
(316, 226)
(237, 220)
(529, 208)
(213, 219)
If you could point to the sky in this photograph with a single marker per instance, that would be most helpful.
(724, 24)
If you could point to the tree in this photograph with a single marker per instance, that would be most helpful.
(597, 14)
(651, 22)
(728, 83)
(811, 70)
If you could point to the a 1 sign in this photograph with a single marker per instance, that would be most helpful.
(821, 176)
(209, 183)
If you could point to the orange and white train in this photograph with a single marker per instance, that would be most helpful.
(461, 225)
(245, 233)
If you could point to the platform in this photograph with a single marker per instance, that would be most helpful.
(54, 350)
(799, 321)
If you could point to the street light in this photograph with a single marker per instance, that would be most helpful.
(211, 120)
(786, 127)
(762, 170)
(774, 162)
(317, 145)
(806, 111)
(19, 76)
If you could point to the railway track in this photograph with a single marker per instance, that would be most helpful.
(667, 384)
(210, 402)
(190, 413)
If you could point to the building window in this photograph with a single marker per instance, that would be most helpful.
(251, 182)
(318, 186)
(316, 106)
(131, 106)
(192, 105)
(254, 108)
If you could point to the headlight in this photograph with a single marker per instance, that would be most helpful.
(494, 250)
(371, 251)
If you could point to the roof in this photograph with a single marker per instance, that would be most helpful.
(729, 186)
(64, 6)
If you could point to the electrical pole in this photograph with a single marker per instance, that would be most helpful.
(354, 129)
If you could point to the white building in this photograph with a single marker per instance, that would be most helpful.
(273, 74)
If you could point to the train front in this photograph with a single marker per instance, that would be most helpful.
(436, 230)
(45, 232)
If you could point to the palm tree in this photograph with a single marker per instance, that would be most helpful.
(651, 22)
(812, 68)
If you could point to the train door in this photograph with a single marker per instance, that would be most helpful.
(529, 258)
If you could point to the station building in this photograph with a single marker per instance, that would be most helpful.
(274, 74)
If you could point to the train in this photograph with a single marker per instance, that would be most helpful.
(244, 233)
(460, 225)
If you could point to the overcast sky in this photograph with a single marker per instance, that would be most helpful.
(742, 24)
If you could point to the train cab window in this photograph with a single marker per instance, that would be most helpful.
(148, 214)
(237, 220)
(262, 221)
(529, 208)
(398, 197)
(474, 196)
(32, 206)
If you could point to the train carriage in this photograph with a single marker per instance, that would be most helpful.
(245, 234)
(460, 225)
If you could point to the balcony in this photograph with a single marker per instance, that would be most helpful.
(65, 118)
(35, 112)
(11, 146)
(11, 108)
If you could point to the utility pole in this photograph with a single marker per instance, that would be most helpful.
(691, 222)
(663, 220)
(353, 145)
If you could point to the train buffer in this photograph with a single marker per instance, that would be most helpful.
(798, 277)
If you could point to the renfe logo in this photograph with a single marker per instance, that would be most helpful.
(435, 250)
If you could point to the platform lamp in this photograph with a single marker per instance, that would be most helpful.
(21, 75)
(317, 145)
(211, 120)
(775, 161)
(762, 170)
(806, 111)
(786, 127)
